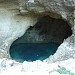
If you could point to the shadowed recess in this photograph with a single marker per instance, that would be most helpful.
(41, 40)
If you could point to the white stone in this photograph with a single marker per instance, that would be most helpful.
(68, 65)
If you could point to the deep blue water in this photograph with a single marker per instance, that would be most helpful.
(32, 51)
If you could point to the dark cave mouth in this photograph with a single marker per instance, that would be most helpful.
(41, 40)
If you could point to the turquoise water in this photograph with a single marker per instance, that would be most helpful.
(32, 51)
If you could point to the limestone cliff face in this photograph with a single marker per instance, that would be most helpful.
(15, 18)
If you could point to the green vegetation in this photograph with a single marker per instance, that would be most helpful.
(63, 71)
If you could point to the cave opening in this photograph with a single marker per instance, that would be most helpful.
(41, 40)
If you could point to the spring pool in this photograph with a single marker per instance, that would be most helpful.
(32, 51)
